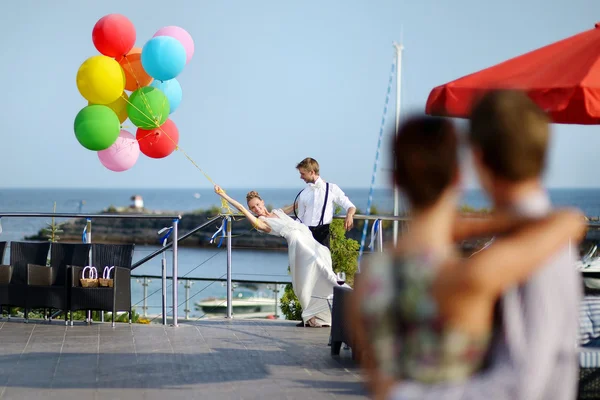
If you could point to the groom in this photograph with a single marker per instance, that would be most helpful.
(315, 203)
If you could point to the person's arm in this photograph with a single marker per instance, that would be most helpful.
(257, 223)
(496, 223)
(340, 198)
(349, 220)
(513, 258)
(289, 209)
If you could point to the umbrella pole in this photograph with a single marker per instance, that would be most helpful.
(399, 49)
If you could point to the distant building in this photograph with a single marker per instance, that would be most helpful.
(138, 202)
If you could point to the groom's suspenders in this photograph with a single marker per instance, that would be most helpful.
(294, 205)
(324, 203)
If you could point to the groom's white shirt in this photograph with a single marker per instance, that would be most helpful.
(535, 358)
(310, 202)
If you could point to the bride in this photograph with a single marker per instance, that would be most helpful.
(310, 262)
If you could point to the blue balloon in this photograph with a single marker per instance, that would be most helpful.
(171, 89)
(163, 57)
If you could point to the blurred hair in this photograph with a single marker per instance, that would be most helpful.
(426, 158)
(512, 134)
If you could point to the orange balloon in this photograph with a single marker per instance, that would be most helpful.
(135, 76)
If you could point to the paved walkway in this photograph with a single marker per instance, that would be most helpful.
(214, 359)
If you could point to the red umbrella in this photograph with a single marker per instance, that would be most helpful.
(563, 78)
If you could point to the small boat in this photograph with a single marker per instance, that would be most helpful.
(244, 301)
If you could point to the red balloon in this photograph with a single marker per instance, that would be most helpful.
(114, 35)
(158, 142)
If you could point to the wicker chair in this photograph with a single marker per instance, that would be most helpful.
(47, 287)
(116, 298)
(14, 293)
(112, 254)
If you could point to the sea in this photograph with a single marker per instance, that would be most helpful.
(209, 263)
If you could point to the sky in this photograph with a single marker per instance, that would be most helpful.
(271, 82)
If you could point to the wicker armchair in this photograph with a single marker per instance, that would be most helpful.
(14, 293)
(47, 287)
(112, 254)
(116, 298)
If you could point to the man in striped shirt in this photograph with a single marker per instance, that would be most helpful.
(533, 354)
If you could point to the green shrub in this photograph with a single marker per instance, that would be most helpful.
(290, 306)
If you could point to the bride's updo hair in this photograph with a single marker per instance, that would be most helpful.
(252, 195)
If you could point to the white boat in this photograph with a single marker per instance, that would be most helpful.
(244, 301)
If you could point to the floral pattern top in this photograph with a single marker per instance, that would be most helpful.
(409, 338)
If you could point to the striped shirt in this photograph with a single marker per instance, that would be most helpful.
(589, 319)
(535, 356)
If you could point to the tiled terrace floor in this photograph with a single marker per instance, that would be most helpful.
(214, 359)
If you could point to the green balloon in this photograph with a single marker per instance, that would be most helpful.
(97, 127)
(148, 108)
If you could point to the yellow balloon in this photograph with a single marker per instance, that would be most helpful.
(119, 106)
(100, 80)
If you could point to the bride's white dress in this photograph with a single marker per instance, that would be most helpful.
(310, 266)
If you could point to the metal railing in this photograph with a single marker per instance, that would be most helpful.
(176, 238)
(228, 280)
(146, 303)
(170, 244)
(165, 246)
(174, 245)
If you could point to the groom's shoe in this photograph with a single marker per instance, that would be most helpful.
(300, 324)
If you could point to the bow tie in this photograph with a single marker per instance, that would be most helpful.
(316, 186)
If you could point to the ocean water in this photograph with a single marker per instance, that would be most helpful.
(254, 265)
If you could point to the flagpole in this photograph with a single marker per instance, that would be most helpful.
(399, 49)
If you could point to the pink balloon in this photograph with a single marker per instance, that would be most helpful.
(180, 34)
(122, 155)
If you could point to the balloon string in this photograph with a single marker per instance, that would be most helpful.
(144, 97)
(224, 203)
(142, 94)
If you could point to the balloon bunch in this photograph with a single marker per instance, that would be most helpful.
(148, 74)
